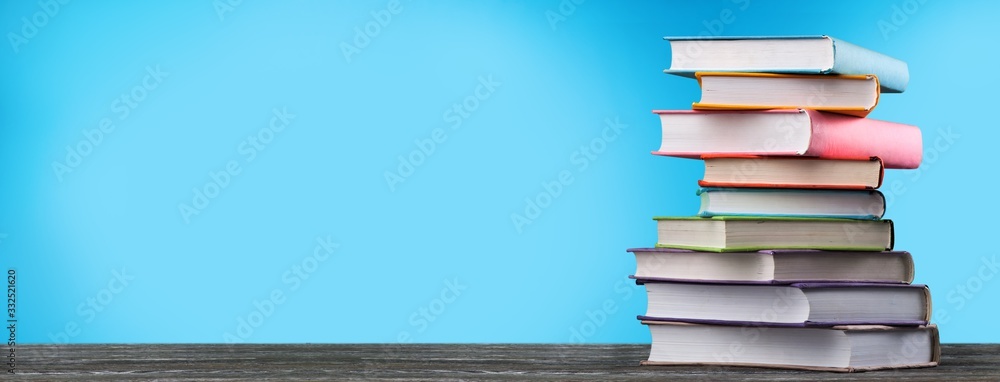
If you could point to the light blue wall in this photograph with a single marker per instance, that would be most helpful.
(104, 252)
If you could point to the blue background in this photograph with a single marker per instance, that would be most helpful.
(436, 257)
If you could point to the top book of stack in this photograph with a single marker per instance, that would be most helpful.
(796, 54)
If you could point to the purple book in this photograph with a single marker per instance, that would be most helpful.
(807, 324)
(773, 266)
(792, 305)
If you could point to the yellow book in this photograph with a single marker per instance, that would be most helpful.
(854, 95)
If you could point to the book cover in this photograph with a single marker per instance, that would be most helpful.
(923, 320)
(923, 342)
(830, 136)
(850, 227)
(862, 212)
(682, 264)
(848, 58)
(737, 184)
(858, 111)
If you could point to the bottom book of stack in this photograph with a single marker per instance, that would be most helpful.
(838, 348)
(796, 309)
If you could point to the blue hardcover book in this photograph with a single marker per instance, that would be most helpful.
(844, 204)
(784, 54)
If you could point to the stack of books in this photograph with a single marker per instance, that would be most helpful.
(788, 263)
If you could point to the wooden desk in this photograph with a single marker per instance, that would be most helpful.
(435, 363)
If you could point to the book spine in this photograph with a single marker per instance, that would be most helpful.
(884, 205)
(892, 234)
(907, 259)
(711, 213)
(929, 307)
(704, 183)
(844, 137)
(935, 344)
(848, 58)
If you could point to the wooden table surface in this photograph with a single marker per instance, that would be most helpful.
(434, 363)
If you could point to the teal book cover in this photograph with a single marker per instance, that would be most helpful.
(843, 58)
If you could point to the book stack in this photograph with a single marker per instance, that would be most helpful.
(788, 263)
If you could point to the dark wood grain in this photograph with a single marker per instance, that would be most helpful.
(435, 363)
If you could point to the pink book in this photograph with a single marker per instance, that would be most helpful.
(790, 132)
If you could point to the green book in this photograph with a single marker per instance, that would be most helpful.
(752, 233)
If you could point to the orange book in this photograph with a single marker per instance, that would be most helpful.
(854, 95)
